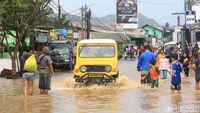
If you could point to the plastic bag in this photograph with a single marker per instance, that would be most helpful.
(31, 64)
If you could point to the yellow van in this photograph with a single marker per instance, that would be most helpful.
(96, 61)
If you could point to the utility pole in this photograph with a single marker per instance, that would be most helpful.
(85, 18)
(185, 27)
(59, 10)
(88, 17)
(82, 19)
(85, 22)
(178, 17)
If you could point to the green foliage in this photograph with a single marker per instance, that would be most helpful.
(22, 15)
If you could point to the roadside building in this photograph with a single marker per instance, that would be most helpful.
(155, 31)
(195, 31)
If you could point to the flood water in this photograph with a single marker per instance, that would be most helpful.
(126, 96)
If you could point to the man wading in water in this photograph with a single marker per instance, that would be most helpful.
(46, 70)
(143, 64)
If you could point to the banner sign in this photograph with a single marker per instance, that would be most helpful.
(190, 18)
(127, 14)
(42, 39)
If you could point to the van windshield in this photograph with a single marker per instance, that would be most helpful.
(60, 48)
(97, 51)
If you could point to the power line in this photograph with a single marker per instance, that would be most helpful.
(55, 6)
(156, 3)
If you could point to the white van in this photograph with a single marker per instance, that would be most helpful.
(168, 47)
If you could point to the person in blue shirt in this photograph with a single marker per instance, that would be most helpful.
(143, 64)
(176, 74)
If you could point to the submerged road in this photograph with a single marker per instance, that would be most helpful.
(127, 96)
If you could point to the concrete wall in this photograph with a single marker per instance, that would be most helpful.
(5, 63)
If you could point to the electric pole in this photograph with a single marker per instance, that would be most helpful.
(59, 10)
(178, 17)
(85, 22)
(82, 19)
(85, 19)
(88, 16)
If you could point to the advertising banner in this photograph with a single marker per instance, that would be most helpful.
(127, 14)
(190, 18)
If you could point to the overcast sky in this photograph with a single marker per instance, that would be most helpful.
(160, 10)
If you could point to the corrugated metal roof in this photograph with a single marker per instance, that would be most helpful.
(114, 36)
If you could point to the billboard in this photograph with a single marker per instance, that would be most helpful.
(127, 14)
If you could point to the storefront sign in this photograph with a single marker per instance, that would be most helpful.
(42, 38)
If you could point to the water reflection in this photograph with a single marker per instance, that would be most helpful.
(37, 104)
(98, 101)
(149, 99)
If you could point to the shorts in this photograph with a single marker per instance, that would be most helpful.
(175, 87)
(28, 76)
(45, 81)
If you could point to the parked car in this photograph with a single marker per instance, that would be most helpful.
(62, 54)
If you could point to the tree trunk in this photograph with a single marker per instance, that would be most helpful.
(14, 70)
(13, 59)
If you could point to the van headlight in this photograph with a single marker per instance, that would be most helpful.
(83, 69)
(108, 68)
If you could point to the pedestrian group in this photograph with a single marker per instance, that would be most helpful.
(152, 64)
(46, 70)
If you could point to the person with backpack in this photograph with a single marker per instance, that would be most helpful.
(46, 71)
(196, 67)
(162, 63)
(28, 60)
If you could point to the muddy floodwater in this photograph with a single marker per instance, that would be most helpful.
(126, 96)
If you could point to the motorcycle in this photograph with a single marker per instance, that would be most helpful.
(129, 54)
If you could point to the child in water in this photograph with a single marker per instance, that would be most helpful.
(176, 74)
(154, 73)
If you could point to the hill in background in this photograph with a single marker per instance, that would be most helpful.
(110, 19)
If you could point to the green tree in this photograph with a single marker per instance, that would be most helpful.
(20, 16)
